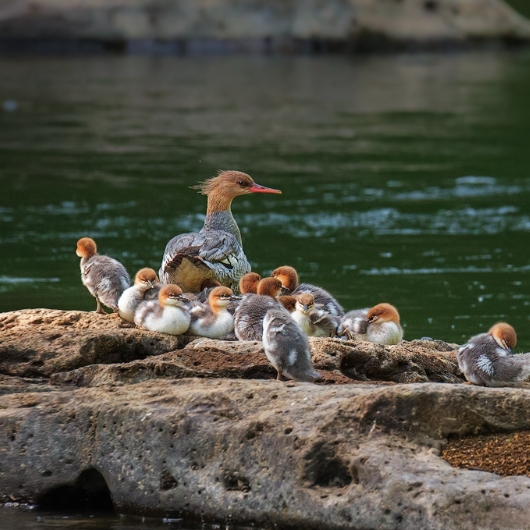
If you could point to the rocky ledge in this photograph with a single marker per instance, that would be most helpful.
(93, 410)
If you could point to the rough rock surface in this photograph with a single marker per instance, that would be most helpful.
(202, 430)
(260, 24)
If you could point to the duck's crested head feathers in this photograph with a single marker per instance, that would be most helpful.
(383, 313)
(231, 184)
(287, 275)
(86, 247)
(270, 287)
(249, 283)
(146, 276)
(504, 335)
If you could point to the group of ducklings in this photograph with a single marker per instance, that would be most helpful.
(280, 312)
(277, 310)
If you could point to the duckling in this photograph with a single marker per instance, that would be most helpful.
(217, 250)
(314, 322)
(249, 283)
(168, 314)
(249, 315)
(487, 359)
(207, 286)
(289, 278)
(287, 348)
(145, 282)
(104, 277)
(288, 301)
(213, 321)
(379, 324)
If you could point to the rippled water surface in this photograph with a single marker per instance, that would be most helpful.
(405, 178)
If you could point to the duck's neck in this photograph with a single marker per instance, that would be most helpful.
(219, 217)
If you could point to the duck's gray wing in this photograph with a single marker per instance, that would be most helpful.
(189, 259)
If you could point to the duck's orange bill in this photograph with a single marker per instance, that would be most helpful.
(256, 188)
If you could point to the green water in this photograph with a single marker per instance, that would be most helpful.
(405, 178)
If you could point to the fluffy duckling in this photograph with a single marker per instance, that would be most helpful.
(249, 315)
(216, 251)
(314, 322)
(379, 324)
(104, 277)
(145, 282)
(168, 314)
(289, 278)
(248, 284)
(287, 348)
(213, 321)
(487, 359)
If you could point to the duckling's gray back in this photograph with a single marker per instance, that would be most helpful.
(286, 346)
(249, 315)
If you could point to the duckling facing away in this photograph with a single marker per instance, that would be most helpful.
(145, 286)
(487, 359)
(287, 348)
(168, 314)
(249, 315)
(104, 277)
(289, 278)
(379, 324)
(213, 321)
(314, 322)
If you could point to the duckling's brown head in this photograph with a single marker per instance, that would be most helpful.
(287, 275)
(171, 295)
(146, 277)
(86, 247)
(504, 335)
(383, 313)
(249, 283)
(305, 302)
(220, 297)
(270, 287)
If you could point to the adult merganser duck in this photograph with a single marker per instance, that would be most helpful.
(213, 321)
(487, 359)
(104, 277)
(169, 314)
(289, 278)
(145, 282)
(379, 324)
(314, 322)
(216, 251)
(249, 315)
(287, 348)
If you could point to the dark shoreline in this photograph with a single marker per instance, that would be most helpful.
(365, 43)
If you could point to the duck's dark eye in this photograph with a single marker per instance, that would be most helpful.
(240, 182)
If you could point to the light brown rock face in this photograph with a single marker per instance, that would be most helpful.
(204, 430)
(251, 21)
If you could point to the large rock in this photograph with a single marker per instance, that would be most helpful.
(260, 24)
(267, 452)
(200, 428)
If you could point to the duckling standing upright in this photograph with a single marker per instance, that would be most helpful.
(216, 251)
(213, 321)
(145, 282)
(169, 314)
(287, 348)
(379, 324)
(487, 359)
(289, 278)
(104, 277)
